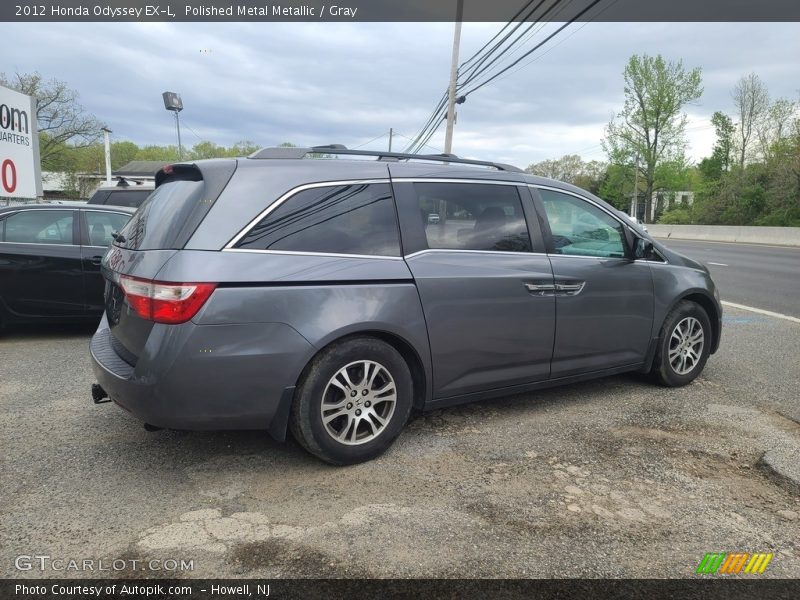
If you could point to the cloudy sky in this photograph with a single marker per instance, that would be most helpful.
(311, 83)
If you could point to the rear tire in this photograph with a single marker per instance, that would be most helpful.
(352, 401)
(684, 345)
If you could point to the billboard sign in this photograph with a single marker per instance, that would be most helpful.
(20, 171)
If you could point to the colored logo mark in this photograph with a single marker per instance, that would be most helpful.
(734, 563)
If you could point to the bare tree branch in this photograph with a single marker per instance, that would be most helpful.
(61, 120)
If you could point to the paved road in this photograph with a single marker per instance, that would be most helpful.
(765, 277)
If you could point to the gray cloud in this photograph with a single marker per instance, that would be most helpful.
(348, 83)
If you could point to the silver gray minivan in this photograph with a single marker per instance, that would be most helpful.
(333, 297)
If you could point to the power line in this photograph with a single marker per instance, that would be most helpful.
(432, 122)
(424, 142)
(499, 44)
(480, 68)
(533, 31)
(519, 12)
(536, 47)
(439, 150)
(476, 71)
(558, 43)
(372, 140)
(193, 131)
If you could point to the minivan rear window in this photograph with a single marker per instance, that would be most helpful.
(160, 219)
(131, 198)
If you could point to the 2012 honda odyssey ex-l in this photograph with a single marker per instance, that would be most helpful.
(281, 292)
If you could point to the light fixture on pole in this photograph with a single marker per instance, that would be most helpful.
(107, 142)
(173, 102)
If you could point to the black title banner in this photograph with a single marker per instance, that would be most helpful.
(400, 10)
(389, 589)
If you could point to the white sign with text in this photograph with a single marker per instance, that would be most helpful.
(20, 171)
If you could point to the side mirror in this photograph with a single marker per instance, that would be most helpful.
(643, 248)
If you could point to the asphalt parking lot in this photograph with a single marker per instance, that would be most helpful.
(613, 478)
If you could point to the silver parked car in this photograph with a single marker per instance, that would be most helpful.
(280, 293)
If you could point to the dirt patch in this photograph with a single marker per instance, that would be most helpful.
(287, 558)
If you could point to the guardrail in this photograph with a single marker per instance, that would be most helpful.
(776, 236)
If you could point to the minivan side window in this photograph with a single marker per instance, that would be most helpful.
(472, 216)
(39, 227)
(581, 229)
(356, 218)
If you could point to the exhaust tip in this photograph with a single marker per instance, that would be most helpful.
(99, 395)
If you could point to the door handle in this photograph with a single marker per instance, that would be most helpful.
(541, 289)
(570, 289)
(96, 260)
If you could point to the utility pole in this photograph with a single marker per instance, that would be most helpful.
(635, 196)
(107, 144)
(451, 92)
(391, 132)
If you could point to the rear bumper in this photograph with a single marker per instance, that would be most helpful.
(208, 377)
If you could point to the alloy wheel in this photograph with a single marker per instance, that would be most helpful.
(686, 345)
(358, 402)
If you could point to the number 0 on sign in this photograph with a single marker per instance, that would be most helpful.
(9, 176)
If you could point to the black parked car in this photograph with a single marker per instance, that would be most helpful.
(50, 260)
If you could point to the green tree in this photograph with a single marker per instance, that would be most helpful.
(206, 149)
(751, 101)
(616, 185)
(122, 153)
(61, 120)
(152, 152)
(774, 127)
(651, 124)
(243, 148)
(571, 168)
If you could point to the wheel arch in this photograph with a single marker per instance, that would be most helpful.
(419, 375)
(704, 300)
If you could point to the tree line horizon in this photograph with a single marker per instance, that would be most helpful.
(751, 177)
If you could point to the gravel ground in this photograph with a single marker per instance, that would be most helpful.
(612, 478)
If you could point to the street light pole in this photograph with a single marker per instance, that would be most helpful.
(451, 91)
(178, 127)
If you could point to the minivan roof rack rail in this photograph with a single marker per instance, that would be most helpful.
(288, 152)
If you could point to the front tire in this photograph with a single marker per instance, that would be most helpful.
(353, 401)
(684, 345)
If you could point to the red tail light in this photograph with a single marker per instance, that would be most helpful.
(165, 302)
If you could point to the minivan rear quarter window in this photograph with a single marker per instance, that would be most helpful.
(356, 218)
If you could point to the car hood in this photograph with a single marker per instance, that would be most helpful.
(677, 258)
